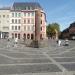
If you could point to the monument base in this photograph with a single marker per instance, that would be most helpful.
(35, 44)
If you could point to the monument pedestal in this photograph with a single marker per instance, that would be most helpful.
(35, 44)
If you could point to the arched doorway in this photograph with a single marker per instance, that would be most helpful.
(15, 35)
(40, 36)
(12, 35)
(18, 36)
(32, 36)
(28, 36)
(24, 36)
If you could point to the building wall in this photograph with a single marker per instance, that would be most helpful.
(72, 30)
(4, 23)
(15, 24)
(28, 24)
(43, 25)
(21, 23)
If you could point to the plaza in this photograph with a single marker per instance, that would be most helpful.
(49, 60)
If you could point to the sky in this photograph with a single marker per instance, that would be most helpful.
(57, 11)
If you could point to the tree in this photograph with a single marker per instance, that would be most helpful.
(56, 26)
(52, 28)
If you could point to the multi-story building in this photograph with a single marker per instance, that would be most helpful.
(4, 22)
(69, 32)
(22, 20)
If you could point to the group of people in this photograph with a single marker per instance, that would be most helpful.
(59, 42)
(14, 44)
(66, 42)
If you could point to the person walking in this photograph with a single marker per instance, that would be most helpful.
(8, 43)
(59, 42)
(16, 41)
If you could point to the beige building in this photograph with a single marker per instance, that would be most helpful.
(4, 22)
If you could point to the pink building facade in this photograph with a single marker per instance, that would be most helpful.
(22, 21)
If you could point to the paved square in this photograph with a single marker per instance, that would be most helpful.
(50, 60)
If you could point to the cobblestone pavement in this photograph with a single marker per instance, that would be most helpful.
(49, 60)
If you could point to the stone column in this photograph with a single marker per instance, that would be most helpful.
(37, 28)
(37, 24)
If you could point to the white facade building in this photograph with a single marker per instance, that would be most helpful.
(4, 22)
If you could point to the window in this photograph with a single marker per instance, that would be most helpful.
(24, 21)
(15, 35)
(41, 15)
(12, 35)
(12, 14)
(41, 21)
(5, 28)
(7, 21)
(32, 13)
(19, 14)
(19, 21)
(24, 36)
(15, 14)
(24, 14)
(18, 27)
(28, 36)
(32, 36)
(7, 16)
(28, 7)
(28, 21)
(28, 28)
(12, 20)
(24, 8)
(18, 36)
(41, 28)
(32, 28)
(3, 16)
(32, 21)
(15, 27)
(15, 20)
(28, 14)
(12, 27)
(25, 28)
(40, 36)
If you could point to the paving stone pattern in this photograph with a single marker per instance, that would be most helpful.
(18, 60)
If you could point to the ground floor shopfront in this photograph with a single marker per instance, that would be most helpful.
(23, 35)
(20, 35)
(4, 35)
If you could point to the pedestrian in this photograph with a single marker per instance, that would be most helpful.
(8, 42)
(16, 41)
(66, 42)
(59, 42)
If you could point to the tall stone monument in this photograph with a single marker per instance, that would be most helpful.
(37, 28)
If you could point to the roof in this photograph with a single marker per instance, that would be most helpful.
(72, 25)
(22, 5)
(65, 30)
(5, 8)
